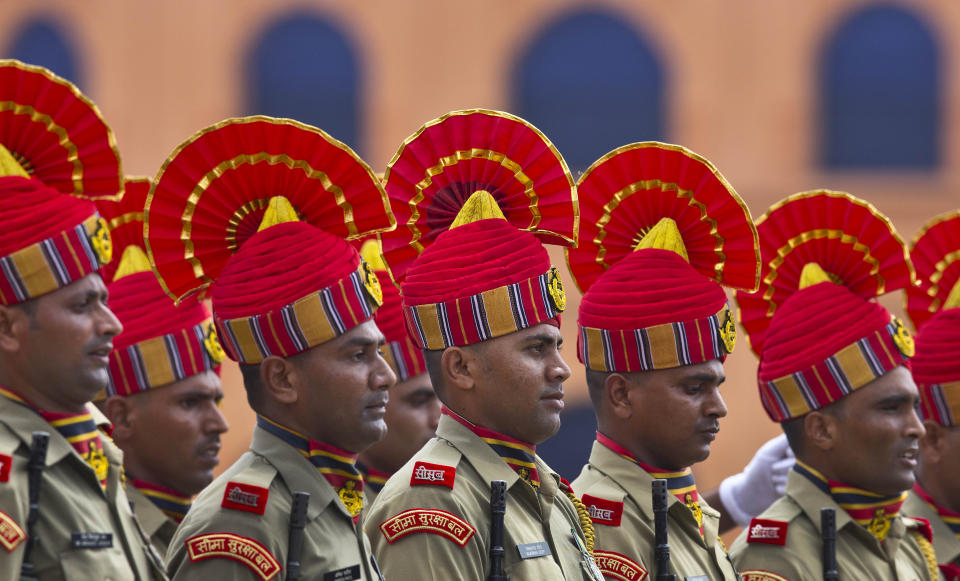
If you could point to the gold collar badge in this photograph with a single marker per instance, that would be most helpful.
(101, 242)
(728, 332)
(351, 497)
(902, 338)
(212, 344)
(371, 283)
(555, 289)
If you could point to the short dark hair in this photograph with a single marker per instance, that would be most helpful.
(432, 358)
(252, 384)
(793, 429)
(595, 382)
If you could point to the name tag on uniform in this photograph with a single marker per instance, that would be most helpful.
(697, 578)
(91, 540)
(345, 574)
(533, 550)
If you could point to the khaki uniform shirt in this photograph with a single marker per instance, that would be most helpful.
(626, 550)
(945, 542)
(239, 526)
(859, 556)
(83, 531)
(441, 530)
(158, 526)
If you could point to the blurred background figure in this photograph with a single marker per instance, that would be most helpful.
(414, 409)
(934, 307)
(164, 394)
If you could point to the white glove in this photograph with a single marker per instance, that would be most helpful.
(764, 480)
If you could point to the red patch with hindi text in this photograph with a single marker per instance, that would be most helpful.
(766, 531)
(245, 497)
(603, 511)
(6, 462)
(241, 549)
(425, 473)
(427, 520)
(11, 534)
(617, 566)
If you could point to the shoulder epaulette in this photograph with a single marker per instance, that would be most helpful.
(603, 511)
(440, 470)
(429, 474)
(249, 491)
(767, 531)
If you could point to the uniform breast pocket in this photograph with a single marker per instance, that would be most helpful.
(109, 564)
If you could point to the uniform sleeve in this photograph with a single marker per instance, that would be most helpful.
(406, 548)
(231, 546)
(627, 546)
(13, 514)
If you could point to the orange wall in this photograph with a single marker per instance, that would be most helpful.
(740, 92)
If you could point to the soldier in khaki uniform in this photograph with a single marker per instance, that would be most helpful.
(654, 330)
(56, 332)
(413, 410)
(484, 302)
(832, 372)
(934, 307)
(293, 303)
(164, 391)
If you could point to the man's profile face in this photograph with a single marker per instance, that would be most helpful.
(174, 433)
(519, 381)
(412, 416)
(343, 396)
(676, 413)
(64, 344)
(878, 431)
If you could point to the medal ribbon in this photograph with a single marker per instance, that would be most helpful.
(374, 479)
(952, 519)
(872, 511)
(680, 484)
(336, 465)
(79, 429)
(518, 454)
(172, 503)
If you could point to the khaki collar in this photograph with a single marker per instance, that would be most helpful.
(487, 463)
(297, 472)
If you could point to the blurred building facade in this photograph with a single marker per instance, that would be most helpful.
(849, 95)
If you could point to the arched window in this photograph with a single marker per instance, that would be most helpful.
(41, 42)
(304, 68)
(590, 83)
(880, 93)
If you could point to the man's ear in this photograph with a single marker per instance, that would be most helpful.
(617, 392)
(122, 413)
(457, 365)
(12, 322)
(931, 443)
(280, 378)
(821, 430)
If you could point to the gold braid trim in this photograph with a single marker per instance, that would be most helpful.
(928, 554)
(722, 545)
(589, 535)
